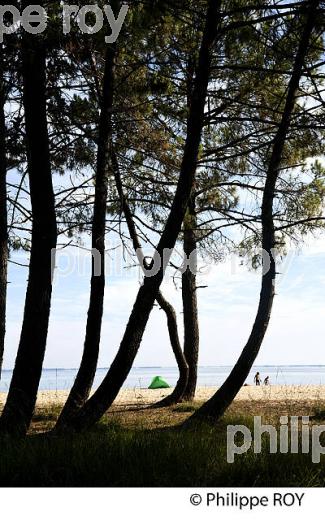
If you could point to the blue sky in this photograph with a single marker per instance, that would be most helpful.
(227, 308)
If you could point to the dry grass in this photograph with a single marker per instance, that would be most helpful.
(143, 417)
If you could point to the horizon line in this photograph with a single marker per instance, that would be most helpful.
(173, 366)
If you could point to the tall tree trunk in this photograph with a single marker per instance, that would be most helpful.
(190, 312)
(22, 395)
(219, 402)
(104, 396)
(169, 310)
(87, 370)
(3, 214)
(182, 390)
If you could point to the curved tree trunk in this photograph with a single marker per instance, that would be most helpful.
(87, 370)
(169, 310)
(219, 402)
(178, 392)
(189, 297)
(22, 394)
(106, 393)
(3, 215)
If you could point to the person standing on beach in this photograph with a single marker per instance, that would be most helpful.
(257, 379)
(266, 381)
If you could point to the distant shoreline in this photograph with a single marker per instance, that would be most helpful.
(164, 367)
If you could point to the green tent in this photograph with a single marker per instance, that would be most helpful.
(158, 382)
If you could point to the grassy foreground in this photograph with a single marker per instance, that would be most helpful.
(140, 448)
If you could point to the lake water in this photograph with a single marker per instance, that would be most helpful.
(140, 377)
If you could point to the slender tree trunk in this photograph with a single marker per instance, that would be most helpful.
(190, 318)
(87, 370)
(190, 312)
(169, 310)
(106, 393)
(185, 387)
(177, 394)
(219, 402)
(161, 300)
(3, 214)
(22, 395)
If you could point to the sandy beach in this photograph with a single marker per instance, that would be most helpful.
(139, 396)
